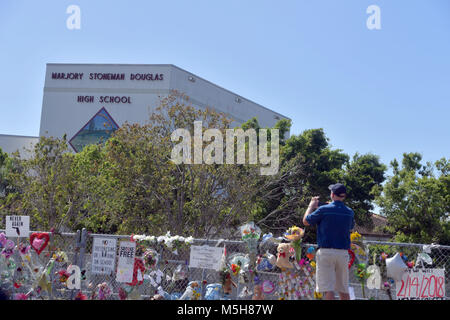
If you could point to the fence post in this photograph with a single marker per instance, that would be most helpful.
(203, 278)
(82, 246)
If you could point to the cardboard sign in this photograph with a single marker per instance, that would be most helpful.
(103, 256)
(17, 226)
(125, 265)
(206, 257)
(421, 284)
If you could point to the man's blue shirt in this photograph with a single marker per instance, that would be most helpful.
(334, 222)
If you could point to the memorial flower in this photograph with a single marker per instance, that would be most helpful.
(295, 235)
(355, 236)
(362, 275)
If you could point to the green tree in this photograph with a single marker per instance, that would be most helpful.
(308, 166)
(45, 188)
(4, 168)
(416, 200)
(134, 186)
(363, 177)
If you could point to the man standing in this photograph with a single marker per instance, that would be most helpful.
(334, 223)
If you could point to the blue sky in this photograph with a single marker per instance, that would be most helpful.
(382, 91)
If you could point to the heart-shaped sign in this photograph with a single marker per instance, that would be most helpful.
(352, 259)
(39, 241)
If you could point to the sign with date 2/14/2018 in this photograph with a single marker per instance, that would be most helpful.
(421, 284)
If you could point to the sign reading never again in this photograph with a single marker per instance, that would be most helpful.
(17, 226)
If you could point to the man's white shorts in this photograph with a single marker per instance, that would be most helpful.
(332, 270)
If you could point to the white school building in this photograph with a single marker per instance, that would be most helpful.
(87, 102)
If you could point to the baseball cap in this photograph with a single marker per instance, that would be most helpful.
(338, 189)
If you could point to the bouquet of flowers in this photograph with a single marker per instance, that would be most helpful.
(250, 234)
(362, 274)
(295, 235)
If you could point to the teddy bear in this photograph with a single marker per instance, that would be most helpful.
(283, 255)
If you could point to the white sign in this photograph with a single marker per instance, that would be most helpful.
(103, 256)
(17, 226)
(206, 257)
(421, 284)
(125, 265)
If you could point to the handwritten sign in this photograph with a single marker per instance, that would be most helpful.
(103, 256)
(421, 284)
(125, 265)
(17, 226)
(205, 257)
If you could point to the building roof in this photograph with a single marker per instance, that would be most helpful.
(378, 222)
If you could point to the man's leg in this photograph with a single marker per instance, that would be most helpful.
(325, 275)
(342, 275)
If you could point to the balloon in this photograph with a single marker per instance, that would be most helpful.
(395, 267)
(374, 280)
(268, 287)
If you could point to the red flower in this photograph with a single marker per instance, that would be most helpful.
(80, 296)
(122, 294)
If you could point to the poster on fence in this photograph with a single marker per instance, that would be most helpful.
(205, 257)
(125, 264)
(103, 256)
(421, 284)
(17, 226)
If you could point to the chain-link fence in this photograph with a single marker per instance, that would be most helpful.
(27, 274)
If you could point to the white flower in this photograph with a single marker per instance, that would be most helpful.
(161, 239)
(169, 243)
(189, 240)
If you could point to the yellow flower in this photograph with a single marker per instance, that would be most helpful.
(355, 236)
(313, 264)
(317, 295)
